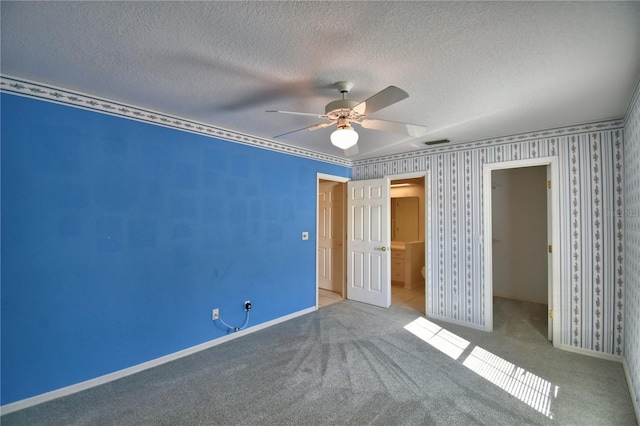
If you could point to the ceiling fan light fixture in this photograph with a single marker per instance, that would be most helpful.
(343, 112)
(344, 138)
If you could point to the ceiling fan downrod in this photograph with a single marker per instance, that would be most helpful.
(344, 87)
(341, 108)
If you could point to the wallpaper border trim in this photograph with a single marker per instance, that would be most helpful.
(596, 126)
(31, 89)
(58, 95)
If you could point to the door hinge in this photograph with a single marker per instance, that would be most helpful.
(550, 313)
(548, 184)
(550, 248)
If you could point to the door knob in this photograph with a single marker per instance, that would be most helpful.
(381, 248)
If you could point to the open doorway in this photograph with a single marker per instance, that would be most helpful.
(407, 226)
(331, 231)
(519, 237)
(550, 215)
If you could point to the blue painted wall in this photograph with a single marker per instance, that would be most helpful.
(119, 237)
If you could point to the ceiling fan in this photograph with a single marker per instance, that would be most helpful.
(345, 112)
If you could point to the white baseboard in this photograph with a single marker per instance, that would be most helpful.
(582, 351)
(634, 397)
(457, 322)
(591, 353)
(521, 299)
(68, 390)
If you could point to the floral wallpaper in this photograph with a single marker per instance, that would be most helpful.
(631, 217)
(591, 227)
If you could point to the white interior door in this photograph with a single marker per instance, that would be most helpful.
(368, 242)
(330, 236)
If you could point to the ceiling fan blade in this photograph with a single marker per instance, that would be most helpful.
(394, 126)
(320, 126)
(382, 99)
(310, 128)
(309, 114)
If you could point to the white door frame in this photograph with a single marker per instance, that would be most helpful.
(427, 229)
(554, 264)
(341, 179)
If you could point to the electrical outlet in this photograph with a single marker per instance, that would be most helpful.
(215, 314)
(247, 305)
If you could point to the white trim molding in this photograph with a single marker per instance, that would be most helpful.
(91, 383)
(58, 95)
(339, 179)
(334, 178)
(455, 322)
(634, 397)
(591, 353)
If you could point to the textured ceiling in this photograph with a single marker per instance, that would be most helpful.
(472, 70)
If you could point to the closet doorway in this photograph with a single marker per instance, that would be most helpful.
(520, 270)
(521, 247)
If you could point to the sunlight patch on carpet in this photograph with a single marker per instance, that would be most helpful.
(529, 388)
(441, 339)
(533, 390)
